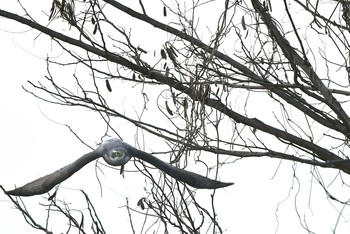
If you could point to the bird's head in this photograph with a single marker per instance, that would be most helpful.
(117, 156)
(115, 152)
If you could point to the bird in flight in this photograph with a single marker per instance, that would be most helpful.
(116, 153)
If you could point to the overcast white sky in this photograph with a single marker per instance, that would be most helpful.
(34, 143)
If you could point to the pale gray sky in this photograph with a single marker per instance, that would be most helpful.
(34, 143)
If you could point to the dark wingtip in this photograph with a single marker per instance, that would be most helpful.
(35, 187)
(201, 182)
(20, 192)
(214, 184)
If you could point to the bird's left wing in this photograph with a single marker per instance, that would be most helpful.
(46, 183)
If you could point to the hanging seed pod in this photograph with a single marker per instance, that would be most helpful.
(133, 76)
(171, 56)
(108, 85)
(167, 72)
(168, 109)
(93, 20)
(173, 95)
(185, 105)
(164, 66)
(95, 29)
(163, 54)
(164, 11)
(141, 50)
(173, 50)
(243, 23)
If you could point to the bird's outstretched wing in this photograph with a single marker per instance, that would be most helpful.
(46, 183)
(115, 152)
(190, 178)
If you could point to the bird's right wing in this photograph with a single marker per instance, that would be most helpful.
(190, 178)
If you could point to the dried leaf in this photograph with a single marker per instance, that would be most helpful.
(140, 203)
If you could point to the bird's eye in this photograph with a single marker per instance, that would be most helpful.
(118, 154)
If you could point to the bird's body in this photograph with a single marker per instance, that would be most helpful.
(116, 153)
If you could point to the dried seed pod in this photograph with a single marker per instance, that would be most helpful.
(93, 20)
(243, 23)
(164, 66)
(108, 85)
(171, 56)
(164, 11)
(168, 109)
(133, 76)
(173, 95)
(141, 50)
(185, 105)
(95, 29)
(163, 54)
(173, 50)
